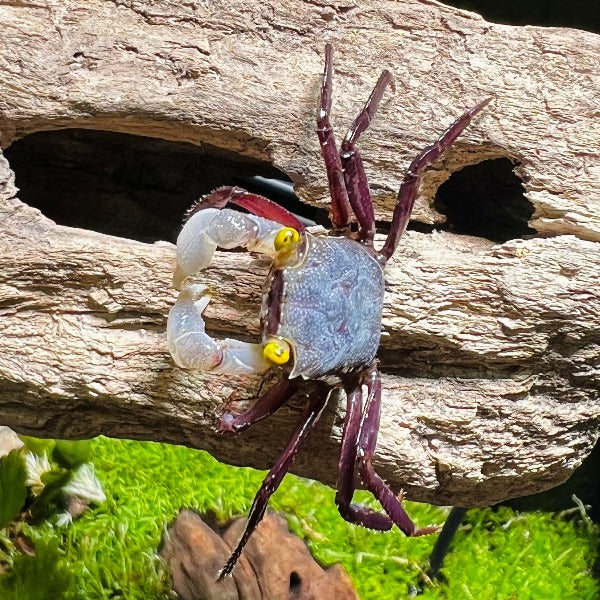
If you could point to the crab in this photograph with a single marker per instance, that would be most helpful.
(321, 310)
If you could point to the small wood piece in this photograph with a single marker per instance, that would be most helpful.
(276, 565)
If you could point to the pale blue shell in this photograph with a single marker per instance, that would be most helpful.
(331, 307)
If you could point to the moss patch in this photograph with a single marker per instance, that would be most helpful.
(111, 551)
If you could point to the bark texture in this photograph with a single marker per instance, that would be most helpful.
(194, 553)
(491, 351)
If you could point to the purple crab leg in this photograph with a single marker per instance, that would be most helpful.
(254, 203)
(367, 440)
(265, 405)
(354, 513)
(341, 212)
(410, 184)
(357, 185)
(274, 477)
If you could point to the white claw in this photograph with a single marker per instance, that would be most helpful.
(192, 348)
(189, 344)
(211, 228)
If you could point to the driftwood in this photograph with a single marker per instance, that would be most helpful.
(275, 564)
(491, 351)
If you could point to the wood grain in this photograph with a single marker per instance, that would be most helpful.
(491, 352)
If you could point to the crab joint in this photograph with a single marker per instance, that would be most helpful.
(286, 240)
(277, 351)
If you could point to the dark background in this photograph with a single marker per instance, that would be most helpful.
(580, 14)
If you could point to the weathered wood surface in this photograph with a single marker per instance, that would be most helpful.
(193, 553)
(491, 358)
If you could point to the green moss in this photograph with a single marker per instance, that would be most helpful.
(111, 551)
(46, 576)
(501, 554)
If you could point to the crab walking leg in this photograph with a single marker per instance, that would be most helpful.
(274, 477)
(212, 228)
(192, 348)
(354, 171)
(254, 203)
(265, 405)
(407, 193)
(341, 211)
(367, 440)
(354, 513)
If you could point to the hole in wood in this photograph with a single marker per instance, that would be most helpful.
(548, 13)
(132, 186)
(295, 582)
(486, 200)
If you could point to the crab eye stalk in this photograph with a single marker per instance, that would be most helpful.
(286, 239)
(277, 351)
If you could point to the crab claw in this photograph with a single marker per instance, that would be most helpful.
(192, 348)
(212, 228)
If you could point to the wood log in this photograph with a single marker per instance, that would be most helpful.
(491, 351)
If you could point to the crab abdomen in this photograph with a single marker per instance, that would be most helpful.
(330, 307)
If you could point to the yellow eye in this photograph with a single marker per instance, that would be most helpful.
(286, 239)
(277, 351)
